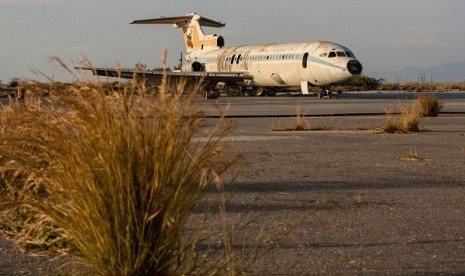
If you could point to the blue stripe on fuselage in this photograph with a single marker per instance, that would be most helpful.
(311, 59)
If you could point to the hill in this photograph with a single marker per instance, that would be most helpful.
(448, 72)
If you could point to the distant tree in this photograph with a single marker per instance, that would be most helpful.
(161, 68)
(14, 82)
(363, 82)
(140, 66)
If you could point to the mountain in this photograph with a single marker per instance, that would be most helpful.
(449, 72)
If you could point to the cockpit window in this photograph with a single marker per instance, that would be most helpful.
(349, 54)
(332, 54)
(341, 54)
(323, 55)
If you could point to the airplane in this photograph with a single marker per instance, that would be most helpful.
(254, 68)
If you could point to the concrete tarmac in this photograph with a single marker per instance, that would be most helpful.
(345, 201)
(349, 103)
(342, 201)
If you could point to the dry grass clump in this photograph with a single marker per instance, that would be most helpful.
(422, 86)
(412, 155)
(119, 174)
(299, 123)
(429, 105)
(409, 116)
(359, 200)
(407, 121)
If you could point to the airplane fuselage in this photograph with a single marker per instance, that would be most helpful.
(286, 65)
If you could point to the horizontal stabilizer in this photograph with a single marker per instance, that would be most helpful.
(180, 20)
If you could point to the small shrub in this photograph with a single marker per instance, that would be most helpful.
(429, 106)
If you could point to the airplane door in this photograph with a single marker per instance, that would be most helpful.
(305, 60)
(304, 70)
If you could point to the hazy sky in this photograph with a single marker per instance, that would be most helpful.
(384, 34)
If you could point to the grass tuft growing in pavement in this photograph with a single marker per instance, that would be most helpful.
(299, 123)
(118, 173)
(429, 106)
(407, 121)
(412, 155)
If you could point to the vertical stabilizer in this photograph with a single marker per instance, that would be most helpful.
(194, 38)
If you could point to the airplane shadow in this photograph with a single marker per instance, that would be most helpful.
(286, 192)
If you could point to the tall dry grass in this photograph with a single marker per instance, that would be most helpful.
(422, 86)
(120, 174)
(299, 123)
(429, 105)
(409, 114)
(407, 120)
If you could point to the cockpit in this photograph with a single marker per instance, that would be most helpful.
(347, 57)
(335, 53)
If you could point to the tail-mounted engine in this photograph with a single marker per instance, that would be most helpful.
(218, 40)
(193, 67)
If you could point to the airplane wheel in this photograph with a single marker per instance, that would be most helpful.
(268, 93)
(251, 93)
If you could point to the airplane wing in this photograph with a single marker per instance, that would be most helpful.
(155, 77)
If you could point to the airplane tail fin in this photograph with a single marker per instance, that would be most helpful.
(190, 25)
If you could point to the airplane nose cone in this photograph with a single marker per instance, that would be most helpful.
(354, 67)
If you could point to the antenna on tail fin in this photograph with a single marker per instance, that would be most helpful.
(194, 38)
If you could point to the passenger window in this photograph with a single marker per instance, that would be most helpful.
(341, 54)
(238, 59)
(332, 54)
(232, 59)
(323, 55)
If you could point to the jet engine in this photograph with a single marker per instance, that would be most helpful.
(193, 67)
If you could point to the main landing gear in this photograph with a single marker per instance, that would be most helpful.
(325, 92)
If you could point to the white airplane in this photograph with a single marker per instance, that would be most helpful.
(255, 67)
